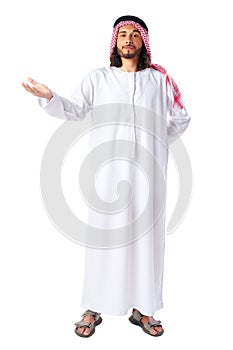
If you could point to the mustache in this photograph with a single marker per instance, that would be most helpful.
(128, 46)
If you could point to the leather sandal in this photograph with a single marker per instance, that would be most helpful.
(136, 317)
(85, 324)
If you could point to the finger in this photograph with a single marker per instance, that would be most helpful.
(32, 81)
(28, 84)
(34, 90)
(26, 87)
(30, 89)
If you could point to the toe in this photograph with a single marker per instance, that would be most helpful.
(87, 331)
(158, 329)
(153, 331)
(80, 330)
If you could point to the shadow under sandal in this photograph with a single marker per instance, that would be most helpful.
(136, 317)
(85, 324)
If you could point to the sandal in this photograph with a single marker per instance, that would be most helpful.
(85, 324)
(136, 317)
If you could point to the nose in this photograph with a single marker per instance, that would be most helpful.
(129, 39)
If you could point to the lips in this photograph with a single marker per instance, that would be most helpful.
(128, 47)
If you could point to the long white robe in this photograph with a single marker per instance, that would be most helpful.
(130, 275)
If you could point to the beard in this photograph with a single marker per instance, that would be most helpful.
(129, 54)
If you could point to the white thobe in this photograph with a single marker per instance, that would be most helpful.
(130, 275)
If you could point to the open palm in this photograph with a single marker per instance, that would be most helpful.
(37, 89)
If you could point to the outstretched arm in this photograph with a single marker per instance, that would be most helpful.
(58, 106)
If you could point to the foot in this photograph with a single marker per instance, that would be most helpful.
(86, 330)
(154, 329)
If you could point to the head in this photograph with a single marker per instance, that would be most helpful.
(130, 41)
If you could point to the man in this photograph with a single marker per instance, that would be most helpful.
(132, 274)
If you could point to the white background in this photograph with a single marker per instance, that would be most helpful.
(58, 42)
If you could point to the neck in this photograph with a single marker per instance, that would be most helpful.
(129, 65)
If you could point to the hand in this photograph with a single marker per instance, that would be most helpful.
(37, 89)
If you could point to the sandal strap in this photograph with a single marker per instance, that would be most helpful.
(153, 323)
(137, 315)
(84, 324)
(91, 313)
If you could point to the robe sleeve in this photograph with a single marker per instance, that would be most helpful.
(76, 107)
(178, 117)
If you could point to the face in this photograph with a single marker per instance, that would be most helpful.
(129, 42)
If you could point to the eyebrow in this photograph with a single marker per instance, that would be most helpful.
(124, 31)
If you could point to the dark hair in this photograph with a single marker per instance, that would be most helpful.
(143, 62)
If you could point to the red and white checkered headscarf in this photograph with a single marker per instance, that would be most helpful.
(177, 100)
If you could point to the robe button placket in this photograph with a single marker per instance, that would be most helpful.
(132, 82)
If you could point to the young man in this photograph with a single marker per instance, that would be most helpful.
(134, 273)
